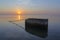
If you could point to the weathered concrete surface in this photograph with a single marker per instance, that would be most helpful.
(37, 27)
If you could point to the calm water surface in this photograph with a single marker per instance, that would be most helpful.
(12, 27)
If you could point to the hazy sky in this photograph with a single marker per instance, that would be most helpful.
(31, 5)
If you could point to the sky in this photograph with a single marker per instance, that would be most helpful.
(30, 6)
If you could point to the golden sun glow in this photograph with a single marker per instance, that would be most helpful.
(19, 11)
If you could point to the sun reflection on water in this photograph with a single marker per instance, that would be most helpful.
(20, 17)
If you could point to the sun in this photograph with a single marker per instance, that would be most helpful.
(19, 11)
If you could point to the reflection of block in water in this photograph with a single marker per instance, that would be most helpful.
(38, 27)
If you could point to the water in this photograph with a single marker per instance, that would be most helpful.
(12, 27)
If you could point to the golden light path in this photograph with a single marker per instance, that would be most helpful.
(19, 12)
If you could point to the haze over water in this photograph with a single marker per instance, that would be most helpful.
(12, 27)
